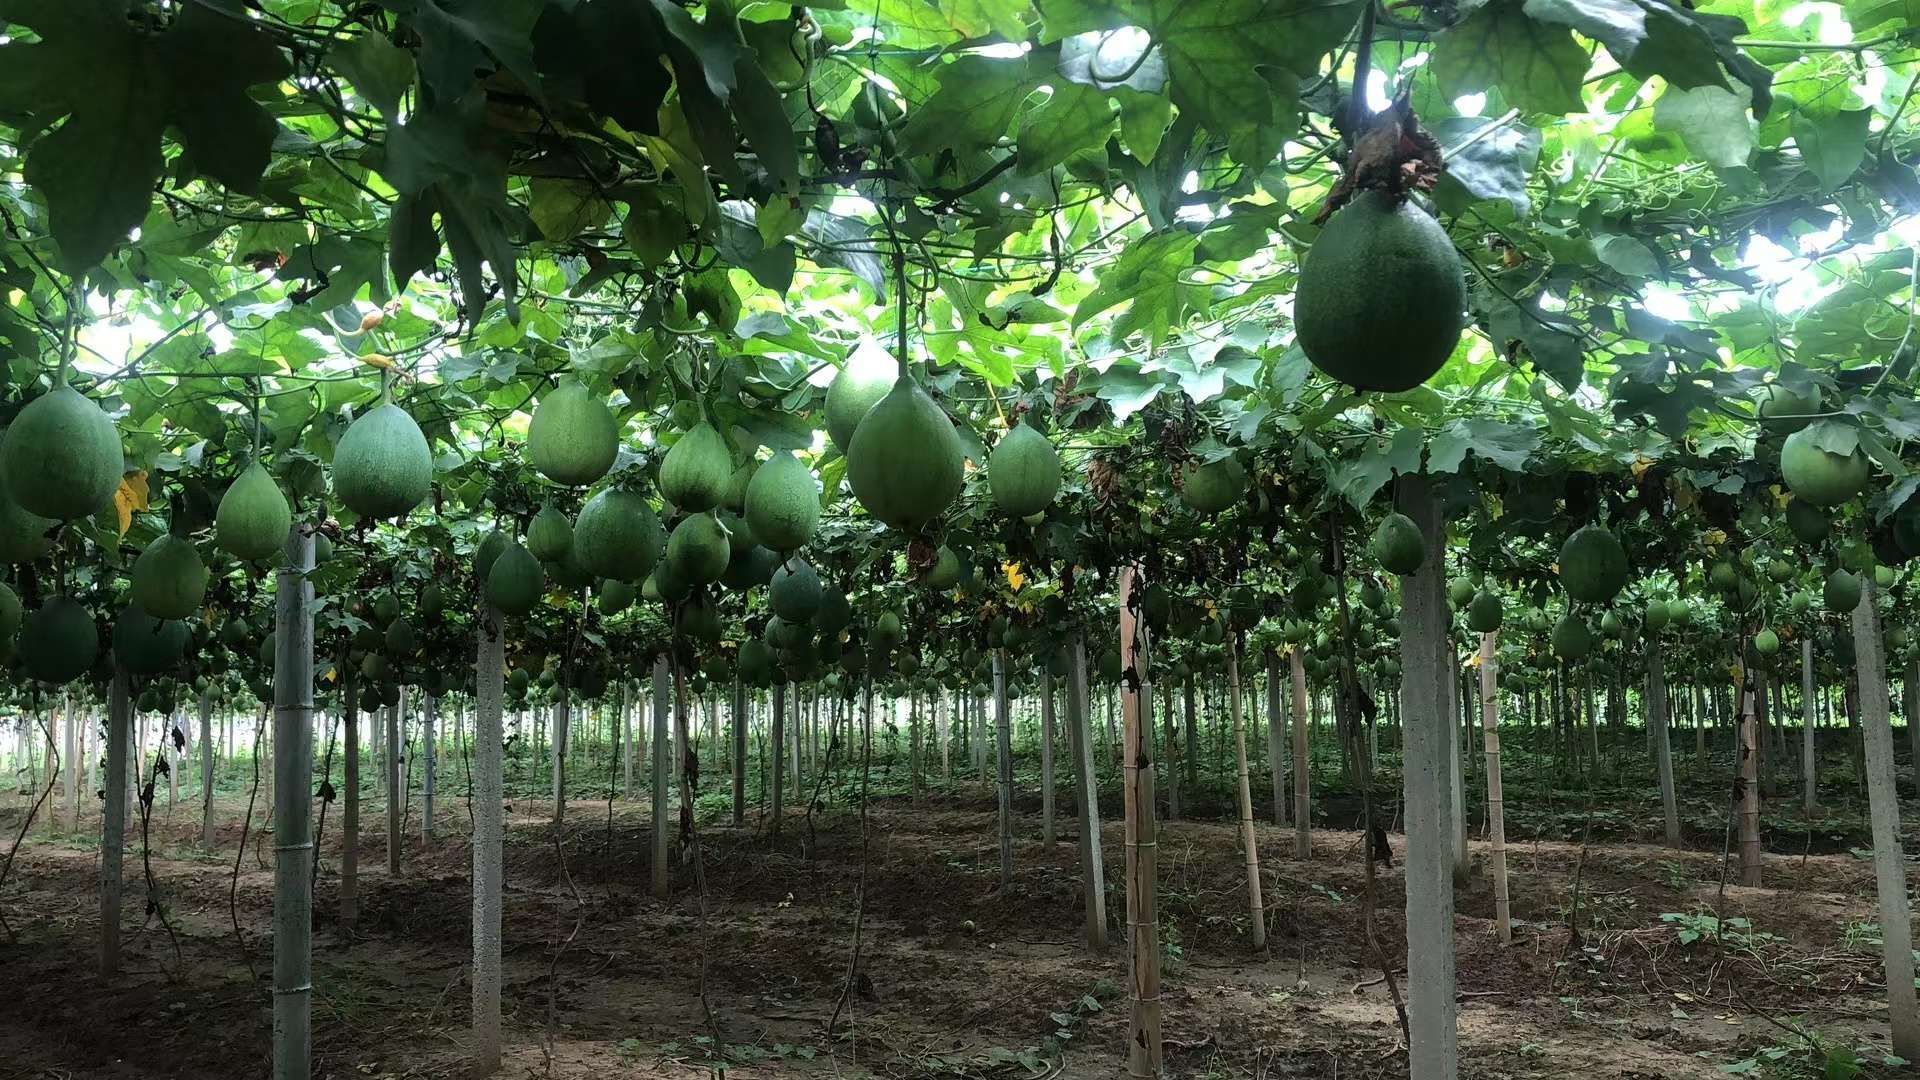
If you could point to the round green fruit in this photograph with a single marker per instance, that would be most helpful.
(383, 467)
(1783, 410)
(1593, 565)
(253, 519)
(1571, 638)
(945, 571)
(61, 456)
(905, 461)
(1766, 642)
(169, 579)
(1023, 472)
(145, 645)
(698, 550)
(59, 642)
(23, 534)
(783, 503)
(1380, 296)
(1397, 546)
(573, 438)
(1841, 594)
(863, 380)
(615, 597)
(549, 535)
(1484, 613)
(794, 593)
(1213, 486)
(618, 536)
(695, 473)
(1820, 476)
(516, 581)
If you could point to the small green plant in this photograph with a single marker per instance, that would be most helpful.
(1812, 1060)
(1692, 927)
(1675, 876)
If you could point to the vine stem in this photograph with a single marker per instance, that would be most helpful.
(1358, 112)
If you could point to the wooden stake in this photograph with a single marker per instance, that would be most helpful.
(1496, 801)
(1086, 795)
(1302, 793)
(1249, 841)
(1145, 1055)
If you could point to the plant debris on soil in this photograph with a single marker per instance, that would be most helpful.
(956, 978)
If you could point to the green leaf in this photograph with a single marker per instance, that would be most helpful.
(1143, 122)
(981, 18)
(1147, 274)
(975, 104)
(1832, 144)
(652, 229)
(606, 54)
(1108, 60)
(1647, 37)
(118, 88)
(459, 38)
(1865, 15)
(98, 170)
(1072, 119)
(1216, 53)
(380, 70)
(1711, 120)
(412, 244)
(847, 243)
(763, 120)
(714, 43)
(563, 209)
(1494, 165)
(1536, 66)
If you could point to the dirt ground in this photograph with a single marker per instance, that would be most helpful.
(956, 979)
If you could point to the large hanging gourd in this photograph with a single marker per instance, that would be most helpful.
(905, 462)
(573, 437)
(618, 536)
(783, 503)
(382, 467)
(1023, 472)
(61, 456)
(59, 642)
(695, 473)
(254, 518)
(1381, 295)
(863, 380)
(169, 578)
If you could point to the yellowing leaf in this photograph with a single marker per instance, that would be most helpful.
(1714, 537)
(130, 497)
(1640, 466)
(379, 360)
(1015, 579)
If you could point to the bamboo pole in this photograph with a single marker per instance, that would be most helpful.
(1302, 774)
(1145, 1054)
(489, 836)
(1809, 758)
(1086, 794)
(1496, 801)
(1660, 731)
(293, 852)
(1003, 754)
(1249, 840)
(1889, 865)
(1276, 738)
(1046, 758)
(661, 744)
(1428, 666)
(1749, 754)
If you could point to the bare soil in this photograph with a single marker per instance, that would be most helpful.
(956, 978)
